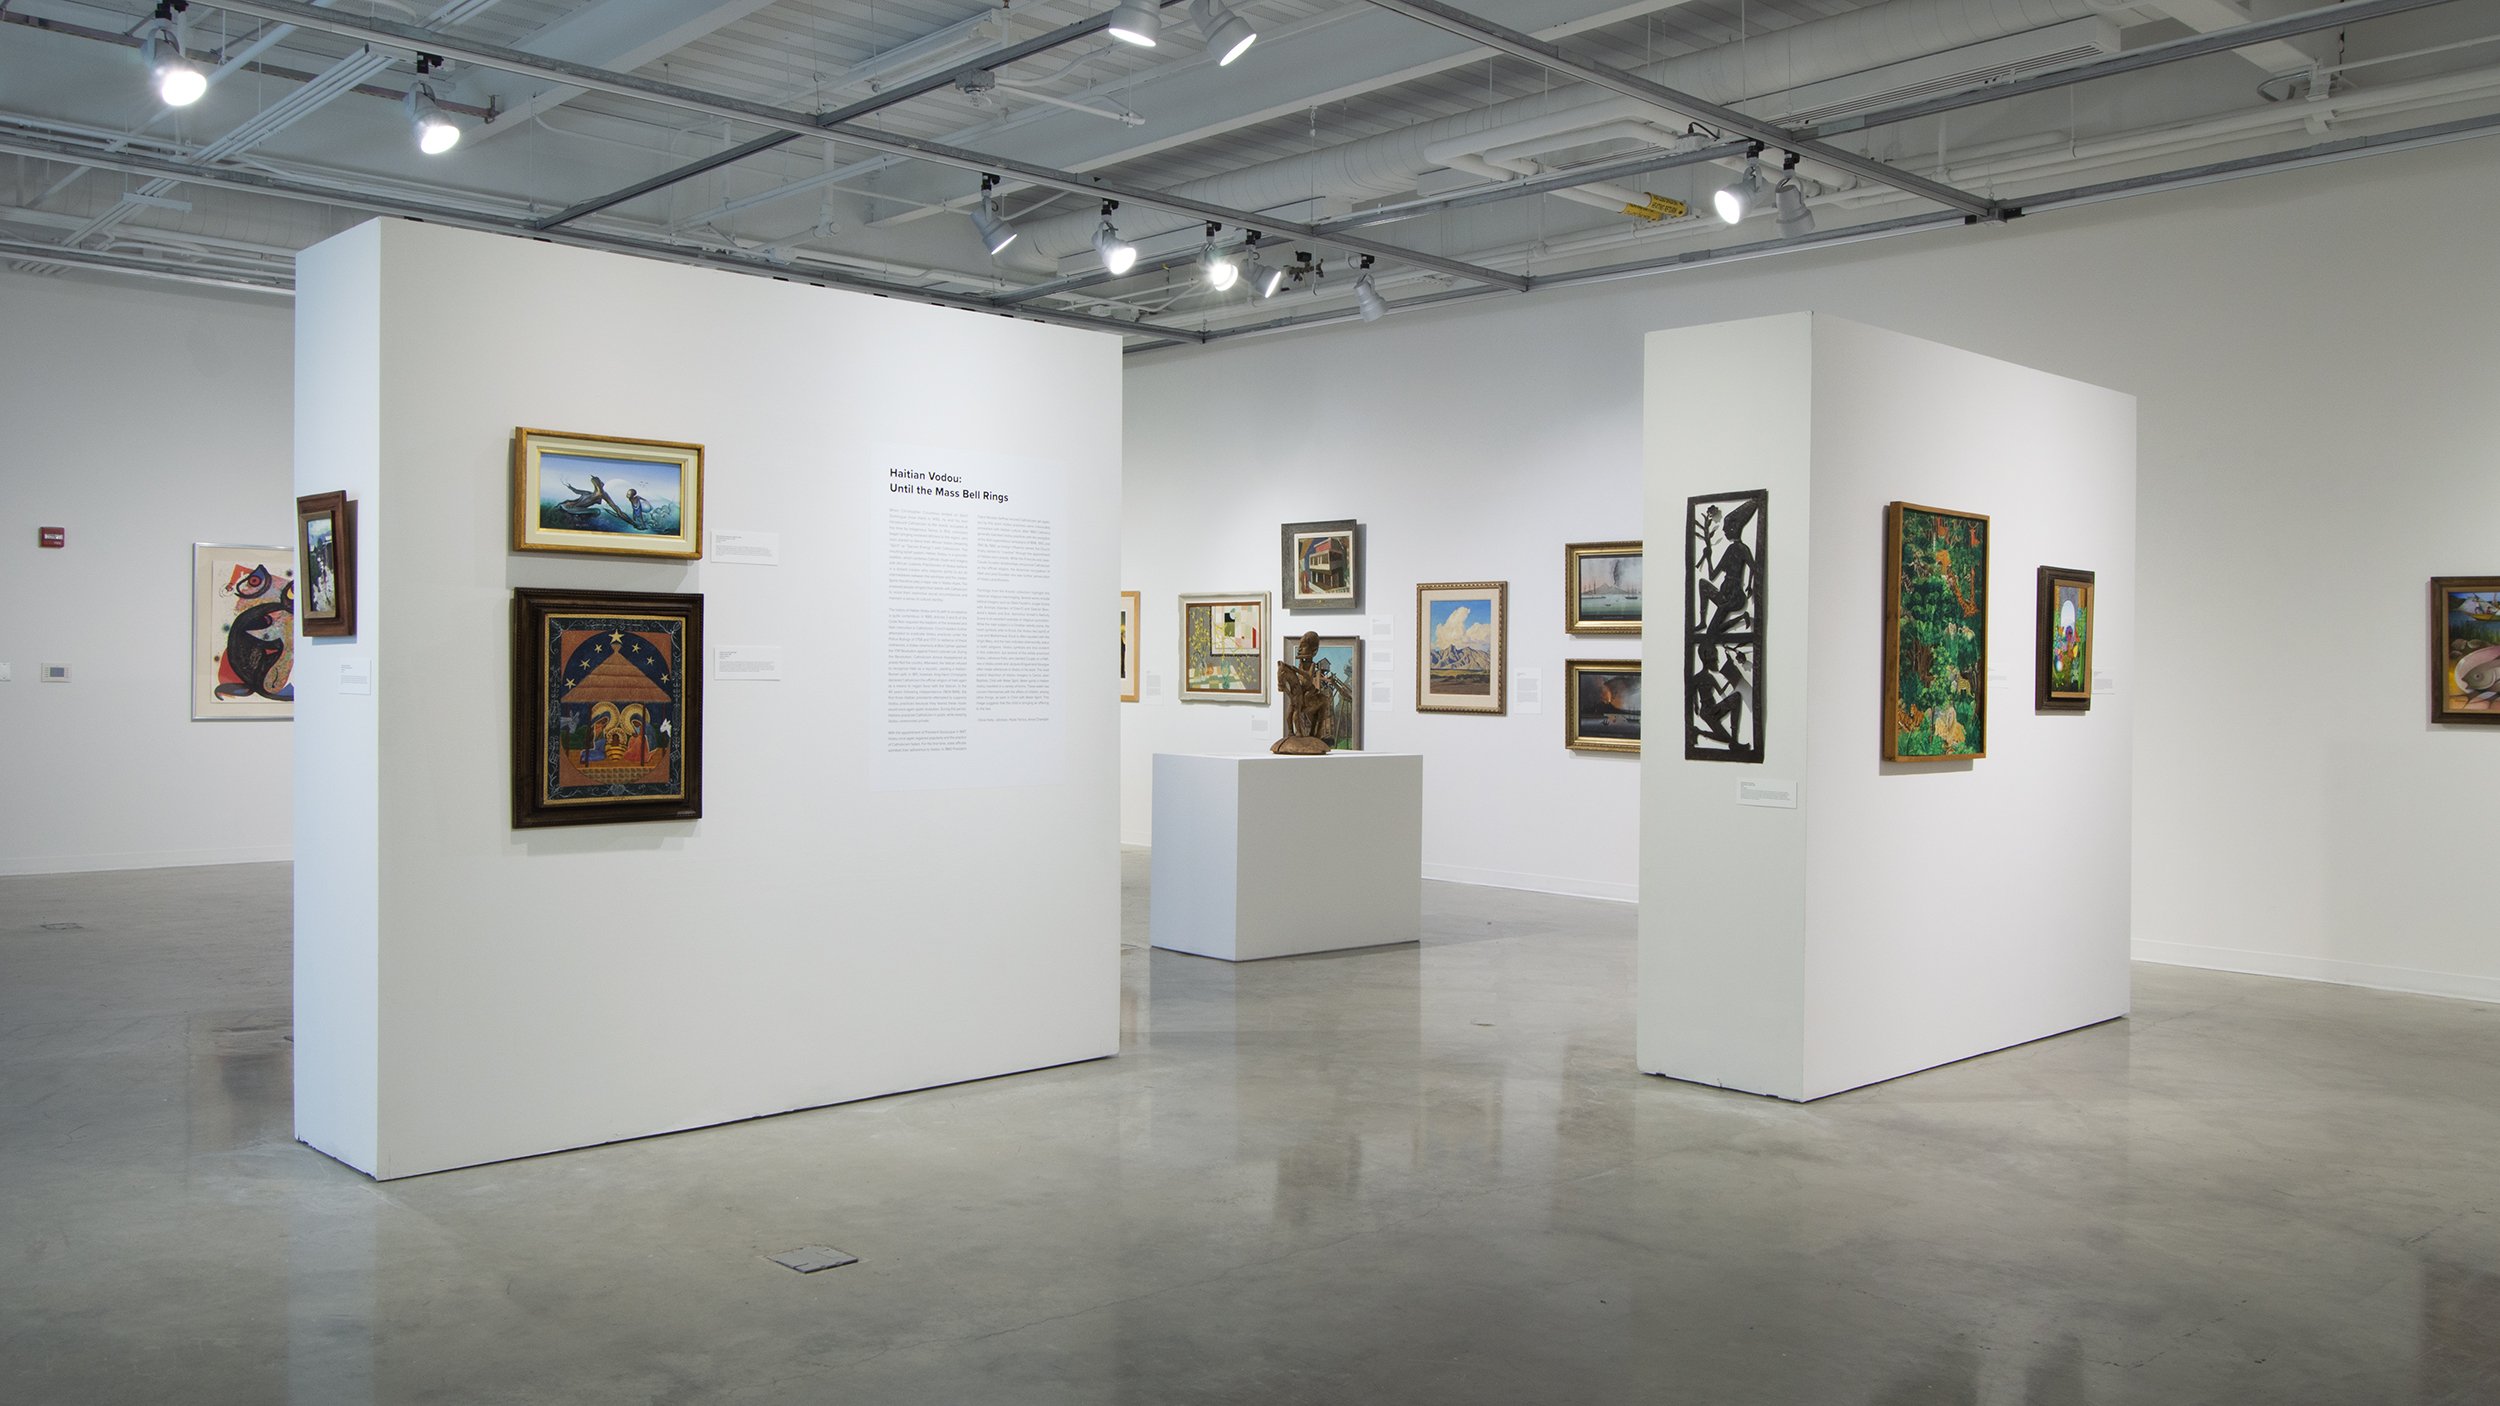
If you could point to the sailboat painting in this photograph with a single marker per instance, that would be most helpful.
(1602, 588)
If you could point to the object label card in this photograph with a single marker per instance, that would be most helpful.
(746, 663)
(966, 664)
(746, 548)
(1778, 795)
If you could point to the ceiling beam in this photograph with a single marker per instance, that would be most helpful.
(1687, 105)
(628, 85)
(14, 142)
(2133, 60)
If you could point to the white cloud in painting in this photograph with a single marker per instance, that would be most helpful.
(1456, 628)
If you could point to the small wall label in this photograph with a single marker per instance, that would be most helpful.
(1778, 795)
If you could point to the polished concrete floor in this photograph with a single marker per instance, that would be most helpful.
(1404, 1175)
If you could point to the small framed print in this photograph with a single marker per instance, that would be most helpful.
(1602, 588)
(1462, 647)
(1341, 659)
(1323, 565)
(1935, 634)
(2062, 680)
(1224, 648)
(597, 495)
(325, 545)
(1603, 705)
(1128, 646)
(2465, 649)
(607, 707)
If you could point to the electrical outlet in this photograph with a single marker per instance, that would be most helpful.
(55, 673)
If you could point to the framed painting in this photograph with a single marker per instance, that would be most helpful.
(1602, 588)
(1604, 698)
(242, 633)
(1323, 565)
(1727, 542)
(1462, 647)
(1224, 648)
(2465, 649)
(2062, 680)
(1128, 646)
(1341, 658)
(1935, 634)
(607, 707)
(325, 543)
(602, 496)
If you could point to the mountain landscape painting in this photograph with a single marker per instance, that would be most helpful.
(1462, 633)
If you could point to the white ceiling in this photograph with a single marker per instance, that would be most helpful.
(1339, 109)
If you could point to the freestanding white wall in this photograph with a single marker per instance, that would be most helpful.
(141, 420)
(467, 992)
(1904, 915)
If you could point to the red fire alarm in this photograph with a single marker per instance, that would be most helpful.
(52, 536)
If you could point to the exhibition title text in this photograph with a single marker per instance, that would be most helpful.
(937, 485)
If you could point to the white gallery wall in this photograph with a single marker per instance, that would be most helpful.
(1899, 915)
(2316, 360)
(140, 417)
(466, 991)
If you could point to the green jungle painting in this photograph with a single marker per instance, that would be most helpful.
(1936, 635)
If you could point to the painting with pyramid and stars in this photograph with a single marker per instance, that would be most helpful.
(607, 694)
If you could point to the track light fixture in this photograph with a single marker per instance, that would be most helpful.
(996, 233)
(1746, 191)
(1264, 279)
(436, 132)
(1118, 255)
(1791, 218)
(1367, 300)
(1229, 36)
(1136, 22)
(1219, 267)
(179, 81)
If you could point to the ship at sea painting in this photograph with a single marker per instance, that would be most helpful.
(1602, 588)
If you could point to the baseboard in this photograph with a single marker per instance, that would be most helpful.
(2410, 980)
(144, 859)
(1534, 883)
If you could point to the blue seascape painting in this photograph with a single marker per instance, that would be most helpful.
(593, 493)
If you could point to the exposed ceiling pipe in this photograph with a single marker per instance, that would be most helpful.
(1389, 164)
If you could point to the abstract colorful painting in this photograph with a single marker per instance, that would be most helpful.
(242, 632)
(1605, 705)
(2063, 678)
(1935, 634)
(602, 496)
(1128, 646)
(1727, 539)
(325, 543)
(1462, 647)
(1602, 588)
(2465, 649)
(1323, 565)
(1224, 648)
(607, 697)
(1340, 661)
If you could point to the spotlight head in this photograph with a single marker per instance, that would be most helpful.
(1792, 219)
(436, 132)
(996, 233)
(1229, 36)
(179, 82)
(1136, 22)
(1222, 272)
(1118, 255)
(1742, 194)
(1367, 300)
(1266, 279)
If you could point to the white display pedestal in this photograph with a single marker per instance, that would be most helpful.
(1826, 919)
(1272, 856)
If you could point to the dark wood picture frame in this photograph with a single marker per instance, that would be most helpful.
(541, 658)
(1573, 737)
(340, 513)
(2449, 655)
(1289, 595)
(1576, 623)
(1726, 602)
(2046, 696)
(1976, 681)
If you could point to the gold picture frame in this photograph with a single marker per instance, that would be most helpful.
(1602, 705)
(601, 495)
(1129, 610)
(1600, 596)
(1462, 647)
